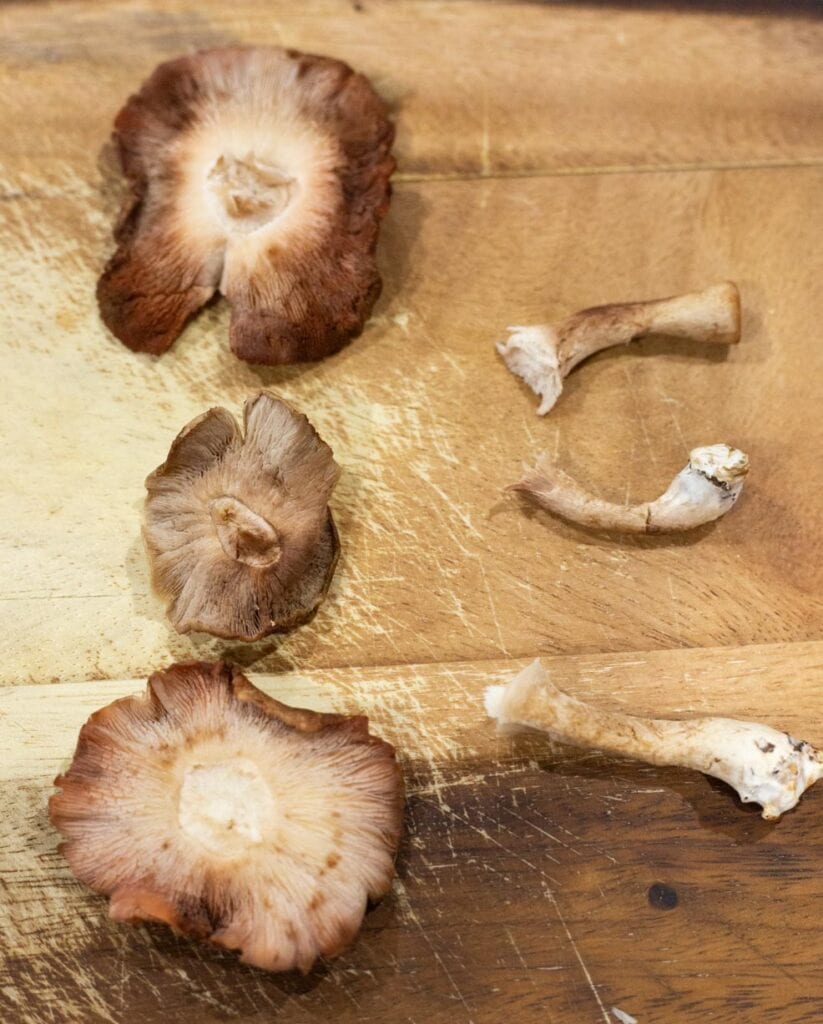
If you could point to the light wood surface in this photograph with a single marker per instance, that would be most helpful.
(429, 427)
(551, 156)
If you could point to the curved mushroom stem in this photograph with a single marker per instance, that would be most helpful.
(765, 766)
(544, 354)
(704, 490)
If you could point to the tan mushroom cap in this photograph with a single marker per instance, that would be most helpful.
(238, 529)
(208, 806)
(263, 174)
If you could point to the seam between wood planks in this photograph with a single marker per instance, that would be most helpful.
(406, 177)
(551, 657)
(424, 177)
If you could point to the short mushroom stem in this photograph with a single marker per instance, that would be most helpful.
(704, 490)
(543, 355)
(249, 192)
(244, 535)
(765, 766)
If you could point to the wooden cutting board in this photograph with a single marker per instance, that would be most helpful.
(550, 157)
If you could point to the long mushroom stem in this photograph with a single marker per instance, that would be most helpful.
(704, 490)
(765, 766)
(544, 354)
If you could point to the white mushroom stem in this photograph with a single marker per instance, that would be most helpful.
(544, 354)
(704, 490)
(765, 766)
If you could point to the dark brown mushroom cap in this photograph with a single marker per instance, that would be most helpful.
(238, 529)
(259, 172)
(208, 806)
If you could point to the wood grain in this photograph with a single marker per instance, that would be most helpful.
(478, 88)
(552, 156)
(551, 881)
(429, 427)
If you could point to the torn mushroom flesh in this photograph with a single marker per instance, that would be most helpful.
(704, 490)
(263, 174)
(764, 765)
(209, 806)
(238, 529)
(544, 354)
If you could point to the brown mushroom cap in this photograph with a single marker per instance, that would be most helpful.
(208, 806)
(261, 173)
(238, 529)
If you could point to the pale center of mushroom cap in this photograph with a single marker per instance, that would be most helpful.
(249, 191)
(225, 806)
(244, 535)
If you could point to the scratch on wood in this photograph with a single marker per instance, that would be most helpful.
(589, 981)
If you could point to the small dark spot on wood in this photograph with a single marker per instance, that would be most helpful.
(662, 897)
(332, 860)
(317, 901)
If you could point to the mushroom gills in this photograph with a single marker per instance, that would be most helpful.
(238, 529)
(262, 174)
(207, 805)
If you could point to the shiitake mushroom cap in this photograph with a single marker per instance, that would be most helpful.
(261, 173)
(206, 805)
(240, 537)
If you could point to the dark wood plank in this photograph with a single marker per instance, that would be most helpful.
(534, 883)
